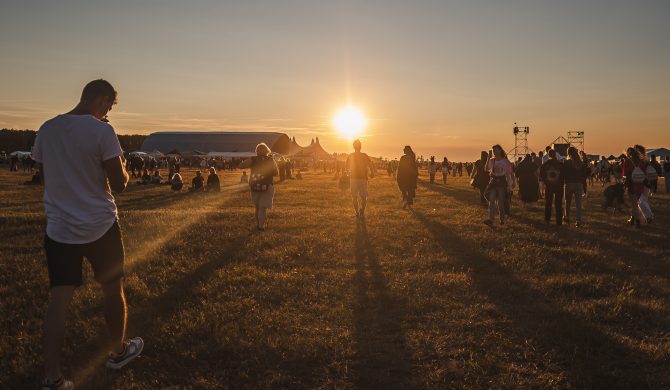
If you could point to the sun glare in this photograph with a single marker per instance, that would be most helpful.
(349, 122)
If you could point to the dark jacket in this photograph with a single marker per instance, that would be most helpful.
(407, 172)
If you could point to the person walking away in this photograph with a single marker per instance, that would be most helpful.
(263, 171)
(574, 171)
(432, 169)
(213, 182)
(82, 221)
(500, 171)
(358, 165)
(445, 170)
(480, 177)
(666, 174)
(527, 173)
(552, 175)
(408, 172)
(654, 170)
(604, 166)
(634, 170)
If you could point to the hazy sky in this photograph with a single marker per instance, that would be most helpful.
(447, 77)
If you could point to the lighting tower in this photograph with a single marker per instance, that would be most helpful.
(520, 142)
(576, 139)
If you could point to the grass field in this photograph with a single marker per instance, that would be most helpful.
(430, 298)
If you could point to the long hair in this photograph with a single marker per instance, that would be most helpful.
(633, 155)
(642, 151)
(484, 156)
(573, 154)
(502, 151)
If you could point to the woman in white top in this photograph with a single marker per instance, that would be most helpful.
(501, 182)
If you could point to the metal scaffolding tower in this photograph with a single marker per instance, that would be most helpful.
(520, 142)
(576, 139)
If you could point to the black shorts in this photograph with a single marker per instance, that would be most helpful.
(106, 256)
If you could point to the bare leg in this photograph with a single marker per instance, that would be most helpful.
(54, 329)
(115, 314)
(354, 197)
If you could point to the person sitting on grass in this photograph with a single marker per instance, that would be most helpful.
(157, 178)
(197, 184)
(146, 177)
(298, 175)
(244, 178)
(213, 183)
(177, 183)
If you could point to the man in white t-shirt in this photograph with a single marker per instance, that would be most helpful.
(81, 162)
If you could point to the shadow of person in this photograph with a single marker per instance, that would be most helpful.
(590, 357)
(382, 358)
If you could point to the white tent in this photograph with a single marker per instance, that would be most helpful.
(21, 154)
(658, 152)
(230, 155)
(138, 153)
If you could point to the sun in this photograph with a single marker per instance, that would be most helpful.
(349, 122)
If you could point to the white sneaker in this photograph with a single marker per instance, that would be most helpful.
(132, 349)
(60, 384)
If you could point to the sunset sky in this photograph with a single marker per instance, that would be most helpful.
(447, 77)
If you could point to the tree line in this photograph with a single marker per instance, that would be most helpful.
(12, 140)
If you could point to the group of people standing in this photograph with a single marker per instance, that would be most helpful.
(560, 181)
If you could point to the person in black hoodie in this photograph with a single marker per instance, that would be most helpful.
(553, 178)
(526, 172)
(480, 177)
(406, 177)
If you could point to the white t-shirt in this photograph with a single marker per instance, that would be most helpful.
(78, 203)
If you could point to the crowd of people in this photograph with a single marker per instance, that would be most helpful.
(92, 230)
(563, 180)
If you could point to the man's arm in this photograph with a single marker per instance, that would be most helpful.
(116, 173)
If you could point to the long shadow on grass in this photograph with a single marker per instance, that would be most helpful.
(589, 357)
(383, 359)
(154, 312)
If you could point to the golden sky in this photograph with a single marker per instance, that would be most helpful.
(447, 77)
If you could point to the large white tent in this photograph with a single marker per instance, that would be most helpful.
(659, 152)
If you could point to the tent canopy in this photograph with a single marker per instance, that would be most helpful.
(230, 155)
(21, 154)
(215, 141)
(659, 152)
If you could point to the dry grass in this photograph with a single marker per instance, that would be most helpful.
(424, 299)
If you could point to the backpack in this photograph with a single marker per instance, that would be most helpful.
(638, 175)
(258, 182)
(652, 173)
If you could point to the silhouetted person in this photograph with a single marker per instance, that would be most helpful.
(213, 183)
(500, 183)
(263, 170)
(358, 165)
(408, 172)
(480, 176)
(527, 173)
(553, 178)
(197, 183)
